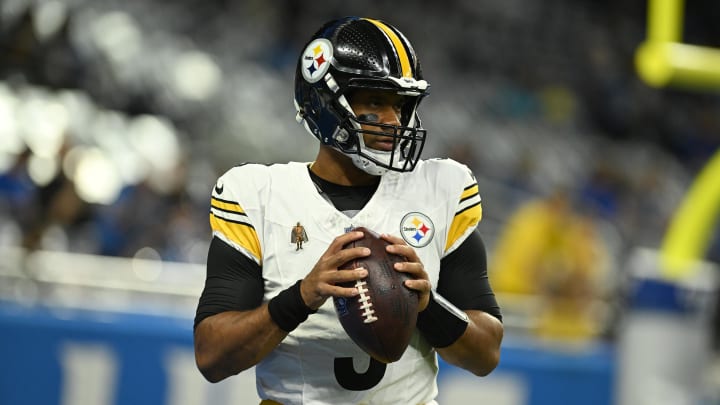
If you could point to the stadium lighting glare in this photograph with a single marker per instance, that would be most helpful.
(96, 178)
(11, 141)
(196, 76)
(118, 36)
(42, 169)
(49, 18)
(155, 139)
(43, 124)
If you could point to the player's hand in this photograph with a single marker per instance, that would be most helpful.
(413, 266)
(321, 282)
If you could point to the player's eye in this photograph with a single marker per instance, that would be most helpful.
(375, 103)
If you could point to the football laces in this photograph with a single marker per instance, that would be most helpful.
(367, 305)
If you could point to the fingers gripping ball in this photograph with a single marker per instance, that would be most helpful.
(381, 319)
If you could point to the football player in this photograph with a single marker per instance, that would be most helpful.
(265, 303)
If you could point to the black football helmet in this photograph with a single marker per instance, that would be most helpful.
(360, 53)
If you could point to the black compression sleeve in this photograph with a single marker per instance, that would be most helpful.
(288, 310)
(233, 283)
(464, 279)
(440, 327)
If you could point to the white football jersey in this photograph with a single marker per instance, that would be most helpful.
(255, 207)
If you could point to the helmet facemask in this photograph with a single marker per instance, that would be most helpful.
(408, 139)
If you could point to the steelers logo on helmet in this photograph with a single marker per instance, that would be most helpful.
(417, 229)
(316, 59)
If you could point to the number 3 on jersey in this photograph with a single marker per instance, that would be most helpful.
(349, 379)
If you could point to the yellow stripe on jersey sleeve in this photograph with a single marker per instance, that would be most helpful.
(467, 217)
(227, 206)
(229, 219)
(469, 192)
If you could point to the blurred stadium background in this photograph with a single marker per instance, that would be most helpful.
(116, 117)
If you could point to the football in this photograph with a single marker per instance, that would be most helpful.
(382, 318)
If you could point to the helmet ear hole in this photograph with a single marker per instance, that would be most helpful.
(314, 101)
(345, 140)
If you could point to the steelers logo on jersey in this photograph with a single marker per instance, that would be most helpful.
(417, 229)
(316, 59)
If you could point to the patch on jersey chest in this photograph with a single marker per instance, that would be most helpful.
(298, 236)
(417, 229)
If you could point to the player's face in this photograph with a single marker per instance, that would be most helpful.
(379, 106)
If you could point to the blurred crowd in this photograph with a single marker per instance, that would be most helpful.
(577, 159)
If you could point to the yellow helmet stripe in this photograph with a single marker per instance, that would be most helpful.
(399, 47)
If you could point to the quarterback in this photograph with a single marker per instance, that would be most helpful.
(266, 299)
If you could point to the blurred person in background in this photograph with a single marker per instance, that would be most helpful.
(18, 201)
(550, 252)
(266, 303)
(48, 216)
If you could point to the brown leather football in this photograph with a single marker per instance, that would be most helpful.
(382, 318)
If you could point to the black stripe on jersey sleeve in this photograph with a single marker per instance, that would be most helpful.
(249, 225)
(470, 186)
(469, 197)
(475, 194)
(233, 283)
(466, 208)
(464, 278)
(227, 210)
(225, 201)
